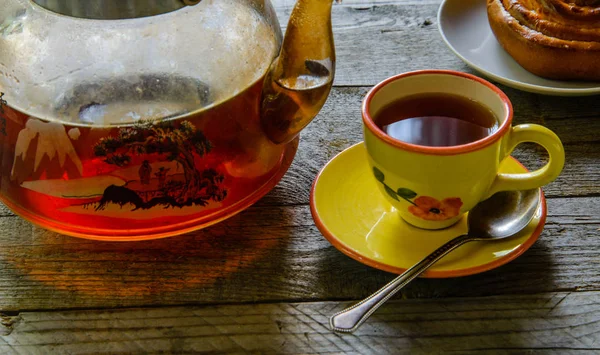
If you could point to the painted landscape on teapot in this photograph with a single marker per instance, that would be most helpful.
(142, 167)
(152, 172)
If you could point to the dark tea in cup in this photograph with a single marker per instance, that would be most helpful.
(436, 119)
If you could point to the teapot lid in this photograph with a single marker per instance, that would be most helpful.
(113, 9)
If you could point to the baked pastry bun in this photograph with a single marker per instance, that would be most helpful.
(555, 39)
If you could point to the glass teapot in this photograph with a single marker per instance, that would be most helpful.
(139, 119)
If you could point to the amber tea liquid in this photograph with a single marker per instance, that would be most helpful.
(436, 120)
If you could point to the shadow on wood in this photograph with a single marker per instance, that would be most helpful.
(215, 258)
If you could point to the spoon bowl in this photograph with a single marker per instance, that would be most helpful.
(503, 215)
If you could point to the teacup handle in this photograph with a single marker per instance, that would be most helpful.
(536, 134)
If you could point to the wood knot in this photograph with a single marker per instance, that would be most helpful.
(7, 322)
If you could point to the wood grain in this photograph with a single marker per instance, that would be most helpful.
(553, 323)
(273, 252)
(266, 254)
(64, 295)
(377, 40)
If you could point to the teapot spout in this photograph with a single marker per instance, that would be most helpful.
(300, 78)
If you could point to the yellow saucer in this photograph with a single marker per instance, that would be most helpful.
(352, 214)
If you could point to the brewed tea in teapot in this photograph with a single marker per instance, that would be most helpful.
(139, 119)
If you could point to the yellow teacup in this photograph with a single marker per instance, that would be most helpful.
(432, 187)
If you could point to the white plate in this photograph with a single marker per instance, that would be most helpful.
(465, 29)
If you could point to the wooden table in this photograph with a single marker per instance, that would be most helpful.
(266, 280)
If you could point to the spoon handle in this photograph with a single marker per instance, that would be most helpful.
(351, 318)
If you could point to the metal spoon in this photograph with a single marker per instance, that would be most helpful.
(503, 215)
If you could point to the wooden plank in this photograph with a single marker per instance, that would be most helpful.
(579, 177)
(338, 126)
(273, 251)
(267, 253)
(377, 39)
(552, 323)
